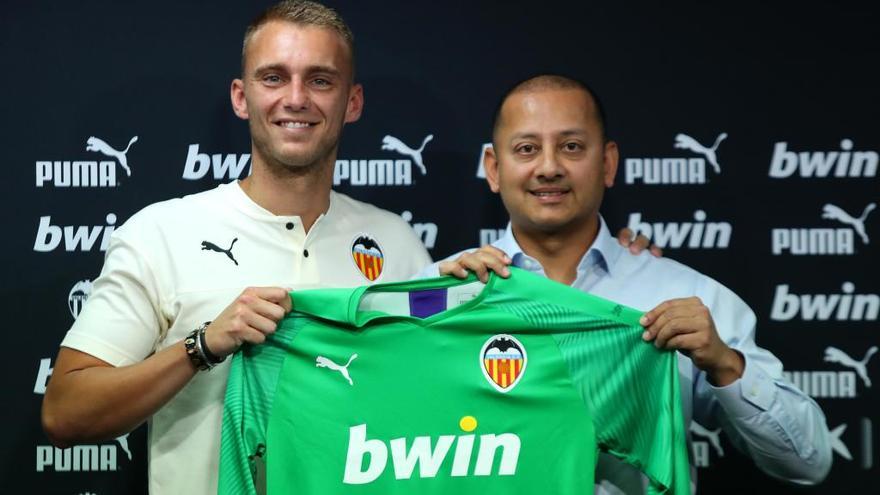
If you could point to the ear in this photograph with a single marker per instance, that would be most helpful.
(490, 164)
(612, 156)
(239, 102)
(355, 104)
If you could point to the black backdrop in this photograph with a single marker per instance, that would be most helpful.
(793, 85)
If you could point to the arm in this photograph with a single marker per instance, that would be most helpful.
(88, 399)
(106, 379)
(741, 387)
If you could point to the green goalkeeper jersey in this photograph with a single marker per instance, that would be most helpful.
(445, 386)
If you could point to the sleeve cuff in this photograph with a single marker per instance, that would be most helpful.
(751, 394)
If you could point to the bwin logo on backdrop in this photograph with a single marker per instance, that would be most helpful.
(427, 232)
(689, 170)
(82, 458)
(847, 306)
(383, 172)
(76, 238)
(823, 241)
(692, 235)
(78, 296)
(222, 167)
(86, 173)
(821, 164)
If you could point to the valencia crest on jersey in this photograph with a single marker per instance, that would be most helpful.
(367, 256)
(503, 361)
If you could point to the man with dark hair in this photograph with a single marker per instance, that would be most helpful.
(551, 163)
(136, 349)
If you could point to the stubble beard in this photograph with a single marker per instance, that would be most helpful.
(305, 163)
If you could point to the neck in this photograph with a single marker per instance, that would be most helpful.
(304, 193)
(558, 252)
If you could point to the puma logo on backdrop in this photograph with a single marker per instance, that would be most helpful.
(683, 141)
(322, 362)
(835, 355)
(97, 144)
(833, 212)
(210, 246)
(391, 143)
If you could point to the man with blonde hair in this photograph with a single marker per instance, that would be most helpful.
(186, 282)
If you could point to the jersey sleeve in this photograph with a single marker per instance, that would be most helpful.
(122, 319)
(250, 394)
(631, 390)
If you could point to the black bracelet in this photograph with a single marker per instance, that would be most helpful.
(210, 357)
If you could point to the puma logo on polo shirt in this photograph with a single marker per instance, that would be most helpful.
(210, 246)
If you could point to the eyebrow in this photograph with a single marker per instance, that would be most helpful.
(312, 69)
(532, 135)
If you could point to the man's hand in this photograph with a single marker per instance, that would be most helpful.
(480, 262)
(686, 325)
(252, 316)
(637, 244)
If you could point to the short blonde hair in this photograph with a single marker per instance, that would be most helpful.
(303, 12)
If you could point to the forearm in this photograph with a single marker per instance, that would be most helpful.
(780, 428)
(98, 402)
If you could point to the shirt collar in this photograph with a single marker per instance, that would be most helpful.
(602, 253)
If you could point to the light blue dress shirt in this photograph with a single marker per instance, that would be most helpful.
(782, 429)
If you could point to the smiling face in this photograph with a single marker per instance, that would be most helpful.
(296, 93)
(550, 162)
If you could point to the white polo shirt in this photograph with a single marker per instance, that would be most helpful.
(179, 263)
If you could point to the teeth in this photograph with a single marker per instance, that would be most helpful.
(295, 125)
(544, 193)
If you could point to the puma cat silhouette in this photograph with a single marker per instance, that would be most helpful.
(711, 435)
(96, 144)
(210, 246)
(683, 141)
(835, 355)
(833, 212)
(393, 144)
(322, 362)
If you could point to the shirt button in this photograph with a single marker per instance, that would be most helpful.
(289, 225)
(306, 253)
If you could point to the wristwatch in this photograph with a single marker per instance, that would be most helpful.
(197, 350)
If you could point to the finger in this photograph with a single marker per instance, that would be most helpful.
(270, 310)
(487, 262)
(682, 342)
(274, 294)
(656, 251)
(676, 326)
(253, 336)
(477, 265)
(453, 268)
(639, 244)
(497, 253)
(260, 323)
(624, 237)
(669, 313)
(648, 318)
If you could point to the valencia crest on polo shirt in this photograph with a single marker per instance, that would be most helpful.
(367, 256)
(503, 361)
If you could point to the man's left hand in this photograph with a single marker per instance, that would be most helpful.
(686, 324)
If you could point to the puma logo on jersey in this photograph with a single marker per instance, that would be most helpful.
(835, 355)
(683, 141)
(833, 212)
(428, 459)
(99, 145)
(210, 246)
(713, 436)
(391, 143)
(322, 362)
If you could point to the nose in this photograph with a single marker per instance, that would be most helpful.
(297, 96)
(549, 167)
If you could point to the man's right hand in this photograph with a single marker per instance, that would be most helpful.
(252, 316)
(480, 262)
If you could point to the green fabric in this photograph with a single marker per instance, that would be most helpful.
(589, 383)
